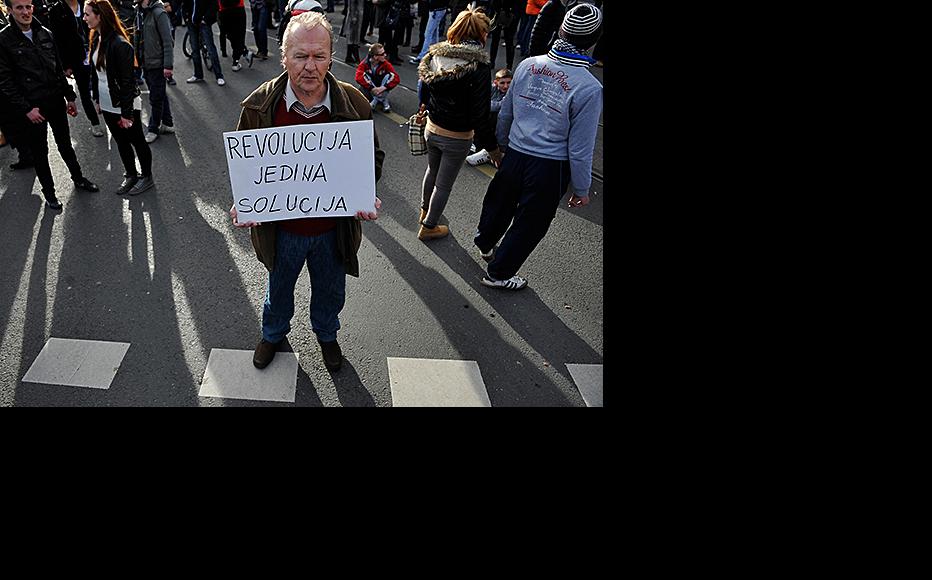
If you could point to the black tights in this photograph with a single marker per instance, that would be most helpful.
(129, 139)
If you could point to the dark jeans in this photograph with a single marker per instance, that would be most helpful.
(494, 39)
(158, 99)
(36, 137)
(129, 139)
(204, 33)
(368, 16)
(527, 189)
(233, 23)
(328, 285)
(524, 34)
(423, 15)
(260, 23)
(82, 77)
(16, 137)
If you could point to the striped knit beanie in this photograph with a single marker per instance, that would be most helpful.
(582, 26)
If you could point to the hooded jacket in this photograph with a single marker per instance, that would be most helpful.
(155, 47)
(455, 89)
(348, 104)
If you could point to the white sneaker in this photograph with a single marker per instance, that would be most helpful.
(237, 66)
(387, 108)
(194, 79)
(150, 136)
(221, 82)
(513, 283)
(478, 158)
(373, 103)
(96, 131)
(166, 129)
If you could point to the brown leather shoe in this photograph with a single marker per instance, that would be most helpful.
(265, 352)
(426, 233)
(423, 216)
(332, 354)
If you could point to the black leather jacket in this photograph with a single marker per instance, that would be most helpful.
(118, 62)
(30, 71)
(456, 80)
(64, 27)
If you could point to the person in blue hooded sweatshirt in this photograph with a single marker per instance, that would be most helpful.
(548, 122)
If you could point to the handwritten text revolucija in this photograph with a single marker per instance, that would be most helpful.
(272, 144)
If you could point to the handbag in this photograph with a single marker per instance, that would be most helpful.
(417, 143)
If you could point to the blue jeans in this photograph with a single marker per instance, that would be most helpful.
(260, 23)
(383, 98)
(328, 285)
(431, 33)
(204, 33)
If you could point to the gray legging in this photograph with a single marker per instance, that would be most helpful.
(445, 156)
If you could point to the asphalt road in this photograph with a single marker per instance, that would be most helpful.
(166, 272)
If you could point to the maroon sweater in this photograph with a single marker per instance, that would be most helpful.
(303, 226)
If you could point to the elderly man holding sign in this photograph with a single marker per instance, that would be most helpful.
(303, 165)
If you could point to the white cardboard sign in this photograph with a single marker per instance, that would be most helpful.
(302, 171)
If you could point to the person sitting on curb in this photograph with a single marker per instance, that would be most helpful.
(376, 77)
(499, 89)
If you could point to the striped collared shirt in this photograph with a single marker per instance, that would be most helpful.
(293, 104)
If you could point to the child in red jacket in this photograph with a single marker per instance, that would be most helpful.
(376, 77)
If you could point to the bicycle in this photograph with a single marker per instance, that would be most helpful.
(187, 49)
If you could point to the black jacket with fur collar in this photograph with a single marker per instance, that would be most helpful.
(456, 80)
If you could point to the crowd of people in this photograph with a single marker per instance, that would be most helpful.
(541, 141)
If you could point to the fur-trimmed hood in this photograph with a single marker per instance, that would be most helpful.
(447, 61)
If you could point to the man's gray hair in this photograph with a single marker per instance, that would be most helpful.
(307, 21)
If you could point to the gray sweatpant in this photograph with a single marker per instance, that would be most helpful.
(445, 156)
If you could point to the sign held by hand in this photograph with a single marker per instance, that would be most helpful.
(302, 171)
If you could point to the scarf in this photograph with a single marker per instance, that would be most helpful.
(570, 54)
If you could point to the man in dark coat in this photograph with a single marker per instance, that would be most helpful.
(34, 85)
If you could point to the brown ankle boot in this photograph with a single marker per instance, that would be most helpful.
(427, 233)
(423, 216)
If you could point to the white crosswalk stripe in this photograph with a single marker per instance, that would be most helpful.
(418, 382)
(588, 379)
(230, 374)
(77, 363)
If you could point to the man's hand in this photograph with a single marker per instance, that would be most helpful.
(378, 90)
(125, 123)
(244, 224)
(69, 73)
(496, 156)
(167, 72)
(369, 216)
(97, 106)
(72, 109)
(576, 201)
(35, 116)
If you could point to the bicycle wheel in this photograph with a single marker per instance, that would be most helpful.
(208, 64)
(186, 44)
